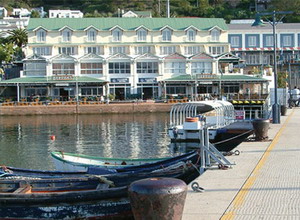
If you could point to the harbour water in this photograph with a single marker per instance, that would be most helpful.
(25, 140)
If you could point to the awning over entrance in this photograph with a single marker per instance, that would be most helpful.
(53, 79)
(215, 78)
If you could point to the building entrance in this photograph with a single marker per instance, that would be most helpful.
(120, 93)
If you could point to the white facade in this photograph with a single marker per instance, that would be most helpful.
(21, 12)
(3, 12)
(65, 14)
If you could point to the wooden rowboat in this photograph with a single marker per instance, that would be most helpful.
(78, 162)
(96, 197)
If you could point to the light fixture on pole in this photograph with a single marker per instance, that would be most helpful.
(274, 22)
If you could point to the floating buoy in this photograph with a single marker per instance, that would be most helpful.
(52, 137)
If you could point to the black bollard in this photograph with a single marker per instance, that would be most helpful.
(283, 110)
(157, 198)
(261, 127)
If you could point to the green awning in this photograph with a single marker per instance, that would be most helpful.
(54, 79)
(216, 78)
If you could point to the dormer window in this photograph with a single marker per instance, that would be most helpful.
(91, 35)
(117, 35)
(166, 35)
(41, 35)
(191, 35)
(141, 34)
(215, 35)
(66, 35)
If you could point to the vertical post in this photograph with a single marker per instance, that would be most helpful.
(275, 107)
(18, 92)
(206, 142)
(202, 152)
(290, 75)
(168, 8)
(76, 85)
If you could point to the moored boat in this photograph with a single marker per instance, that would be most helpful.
(79, 162)
(96, 197)
(225, 132)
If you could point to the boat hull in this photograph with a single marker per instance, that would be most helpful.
(81, 202)
(63, 164)
(224, 139)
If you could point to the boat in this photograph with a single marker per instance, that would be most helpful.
(225, 132)
(8, 171)
(84, 170)
(71, 162)
(93, 197)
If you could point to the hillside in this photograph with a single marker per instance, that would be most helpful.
(227, 9)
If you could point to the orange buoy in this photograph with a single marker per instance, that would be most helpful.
(52, 137)
(194, 119)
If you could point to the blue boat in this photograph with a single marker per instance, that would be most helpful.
(93, 197)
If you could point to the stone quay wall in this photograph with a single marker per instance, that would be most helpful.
(85, 109)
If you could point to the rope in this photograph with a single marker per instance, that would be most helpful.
(229, 139)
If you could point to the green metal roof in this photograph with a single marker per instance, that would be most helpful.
(80, 79)
(238, 78)
(126, 23)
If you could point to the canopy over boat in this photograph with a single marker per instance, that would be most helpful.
(223, 112)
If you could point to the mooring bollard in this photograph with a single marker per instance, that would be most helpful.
(283, 110)
(157, 198)
(261, 127)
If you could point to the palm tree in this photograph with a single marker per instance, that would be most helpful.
(18, 36)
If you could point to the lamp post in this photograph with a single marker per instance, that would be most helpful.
(274, 22)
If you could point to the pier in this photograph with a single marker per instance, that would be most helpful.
(263, 183)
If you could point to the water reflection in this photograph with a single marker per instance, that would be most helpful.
(25, 140)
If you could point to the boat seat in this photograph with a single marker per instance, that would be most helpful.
(24, 188)
(102, 186)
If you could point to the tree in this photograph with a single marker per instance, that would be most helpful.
(288, 5)
(18, 36)
(6, 53)
(35, 14)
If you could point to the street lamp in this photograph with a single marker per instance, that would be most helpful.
(274, 22)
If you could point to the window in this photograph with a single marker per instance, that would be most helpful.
(175, 89)
(191, 50)
(91, 35)
(119, 67)
(166, 35)
(42, 51)
(35, 68)
(32, 91)
(167, 50)
(66, 35)
(41, 35)
(269, 41)
(191, 35)
(67, 50)
(286, 40)
(216, 50)
(201, 67)
(252, 59)
(117, 35)
(175, 67)
(115, 50)
(95, 50)
(91, 68)
(63, 68)
(147, 67)
(141, 35)
(142, 50)
(215, 35)
(235, 41)
(252, 41)
(91, 91)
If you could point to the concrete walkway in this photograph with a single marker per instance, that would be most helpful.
(264, 183)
